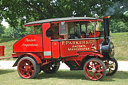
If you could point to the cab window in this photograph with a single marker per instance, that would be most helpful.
(63, 28)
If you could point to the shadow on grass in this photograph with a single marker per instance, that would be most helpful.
(5, 71)
(62, 75)
(80, 75)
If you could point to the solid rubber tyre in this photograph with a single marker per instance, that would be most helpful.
(28, 68)
(94, 69)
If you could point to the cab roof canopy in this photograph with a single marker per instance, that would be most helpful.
(66, 19)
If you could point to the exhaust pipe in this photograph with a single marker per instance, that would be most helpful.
(107, 47)
(106, 28)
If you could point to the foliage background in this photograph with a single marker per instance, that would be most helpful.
(19, 12)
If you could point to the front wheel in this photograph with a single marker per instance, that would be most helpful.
(28, 68)
(94, 69)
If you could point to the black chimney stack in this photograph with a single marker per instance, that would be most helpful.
(106, 28)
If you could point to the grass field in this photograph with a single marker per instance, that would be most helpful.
(120, 41)
(62, 77)
(8, 43)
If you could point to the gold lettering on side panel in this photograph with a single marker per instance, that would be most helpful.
(31, 43)
(30, 40)
(78, 45)
(62, 42)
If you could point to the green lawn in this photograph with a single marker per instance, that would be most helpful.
(62, 77)
(8, 43)
(120, 41)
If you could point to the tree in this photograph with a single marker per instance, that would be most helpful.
(18, 12)
(118, 26)
(2, 28)
(11, 32)
(30, 10)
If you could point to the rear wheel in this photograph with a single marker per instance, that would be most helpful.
(28, 68)
(94, 69)
(51, 68)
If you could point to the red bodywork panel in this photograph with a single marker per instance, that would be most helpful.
(83, 55)
(96, 34)
(30, 43)
(46, 41)
(70, 48)
(55, 49)
(1, 50)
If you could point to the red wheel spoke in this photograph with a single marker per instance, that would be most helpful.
(28, 62)
(23, 70)
(32, 66)
(97, 66)
(93, 75)
(28, 73)
(32, 71)
(91, 66)
(89, 72)
(96, 76)
(100, 73)
(24, 64)
(100, 70)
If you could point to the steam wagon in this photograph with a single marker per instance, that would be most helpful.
(76, 41)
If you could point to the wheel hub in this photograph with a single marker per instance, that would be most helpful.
(93, 70)
(27, 68)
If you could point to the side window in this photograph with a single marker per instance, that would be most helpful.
(55, 28)
(53, 32)
(91, 27)
(71, 31)
(63, 28)
(71, 28)
(38, 29)
(77, 28)
(83, 28)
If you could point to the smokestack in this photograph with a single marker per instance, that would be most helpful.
(106, 28)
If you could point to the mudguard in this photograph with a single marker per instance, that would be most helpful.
(30, 54)
(96, 54)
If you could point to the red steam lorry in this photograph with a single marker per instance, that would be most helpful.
(75, 41)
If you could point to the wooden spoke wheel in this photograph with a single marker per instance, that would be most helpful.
(94, 69)
(112, 66)
(28, 67)
(51, 68)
